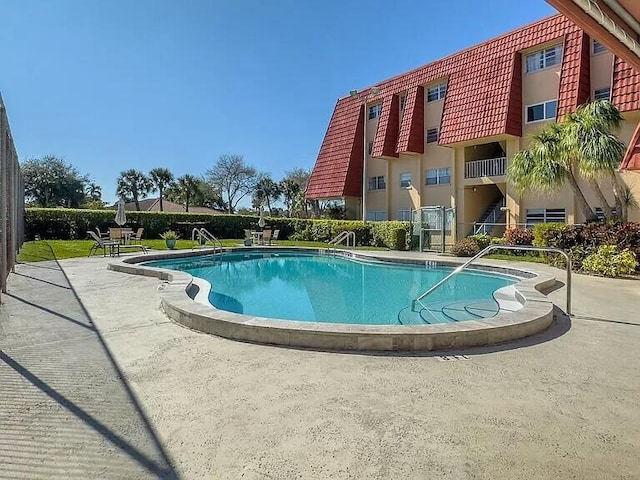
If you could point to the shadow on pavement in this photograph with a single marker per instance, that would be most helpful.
(66, 409)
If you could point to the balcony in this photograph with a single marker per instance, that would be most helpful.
(490, 167)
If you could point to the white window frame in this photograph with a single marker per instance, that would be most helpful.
(442, 176)
(542, 57)
(599, 91)
(404, 215)
(378, 183)
(375, 111)
(545, 215)
(429, 138)
(597, 47)
(544, 106)
(405, 180)
(376, 215)
(436, 92)
(370, 147)
(403, 102)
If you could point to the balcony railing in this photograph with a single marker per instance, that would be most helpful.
(491, 167)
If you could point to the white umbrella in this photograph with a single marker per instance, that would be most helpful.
(121, 215)
(261, 222)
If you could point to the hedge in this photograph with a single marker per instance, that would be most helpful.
(72, 224)
(584, 240)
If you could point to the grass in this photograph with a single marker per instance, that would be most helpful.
(38, 251)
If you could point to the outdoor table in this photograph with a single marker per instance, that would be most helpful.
(126, 234)
(257, 236)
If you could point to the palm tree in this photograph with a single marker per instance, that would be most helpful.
(598, 151)
(266, 190)
(290, 190)
(162, 179)
(94, 191)
(133, 184)
(546, 166)
(187, 189)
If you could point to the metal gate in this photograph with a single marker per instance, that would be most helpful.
(433, 228)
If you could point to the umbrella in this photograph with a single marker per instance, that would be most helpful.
(121, 216)
(261, 222)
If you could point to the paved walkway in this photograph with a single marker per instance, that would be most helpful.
(563, 404)
(65, 409)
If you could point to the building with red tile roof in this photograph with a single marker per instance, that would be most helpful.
(443, 134)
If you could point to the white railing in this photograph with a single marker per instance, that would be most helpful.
(346, 237)
(490, 167)
(200, 237)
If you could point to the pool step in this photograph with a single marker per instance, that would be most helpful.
(447, 312)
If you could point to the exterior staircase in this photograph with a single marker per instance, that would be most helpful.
(492, 215)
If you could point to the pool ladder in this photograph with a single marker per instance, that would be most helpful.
(490, 248)
(347, 237)
(200, 237)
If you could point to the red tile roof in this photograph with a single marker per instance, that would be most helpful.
(631, 160)
(483, 99)
(624, 91)
(387, 134)
(575, 87)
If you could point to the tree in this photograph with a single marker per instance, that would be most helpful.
(132, 185)
(233, 178)
(187, 189)
(50, 182)
(162, 179)
(293, 186)
(94, 191)
(207, 196)
(546, 166)
(590, 137)
(266, 191)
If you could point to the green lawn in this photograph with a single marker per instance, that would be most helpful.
(49, 249)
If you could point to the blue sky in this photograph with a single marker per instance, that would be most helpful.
(111, 85)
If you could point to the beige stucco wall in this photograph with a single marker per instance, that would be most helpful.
(537, 87)
(601, 70)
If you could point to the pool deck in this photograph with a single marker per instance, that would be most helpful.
(96, 382)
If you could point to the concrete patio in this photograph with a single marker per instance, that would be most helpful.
(96, 382)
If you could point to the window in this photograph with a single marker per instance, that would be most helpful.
(370, 147)
(375, 111)
(600, 212)
(542, 111)
(598, 47)
(544, 59)
(404, 215)
(432, 135)
(436, 92)
(405, 180)
(376, 215)
(377, 183)
(403, 102)
(545, 215)
(438, 176)
(602, 94)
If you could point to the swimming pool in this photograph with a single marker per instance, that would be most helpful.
(311, 287)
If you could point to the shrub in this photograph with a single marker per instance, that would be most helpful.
(392, 234)
(467, 247)
(610, 261)
(482, 239)
(518, 236)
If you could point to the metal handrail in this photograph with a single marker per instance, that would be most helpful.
(505, 247)
(341, 237)
(208, 237)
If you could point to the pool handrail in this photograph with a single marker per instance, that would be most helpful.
(490, 248)
(344, 236)
(208, 237)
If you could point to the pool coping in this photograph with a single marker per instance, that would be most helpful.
(177, 302)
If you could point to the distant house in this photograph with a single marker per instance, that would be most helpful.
(153, 205)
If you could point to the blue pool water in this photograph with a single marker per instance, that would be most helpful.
(320, 288)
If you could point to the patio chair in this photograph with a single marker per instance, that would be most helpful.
(115, 234)
(102, 235)
(274, 237)
(266, 236)
(136, 237)
(112, 245)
